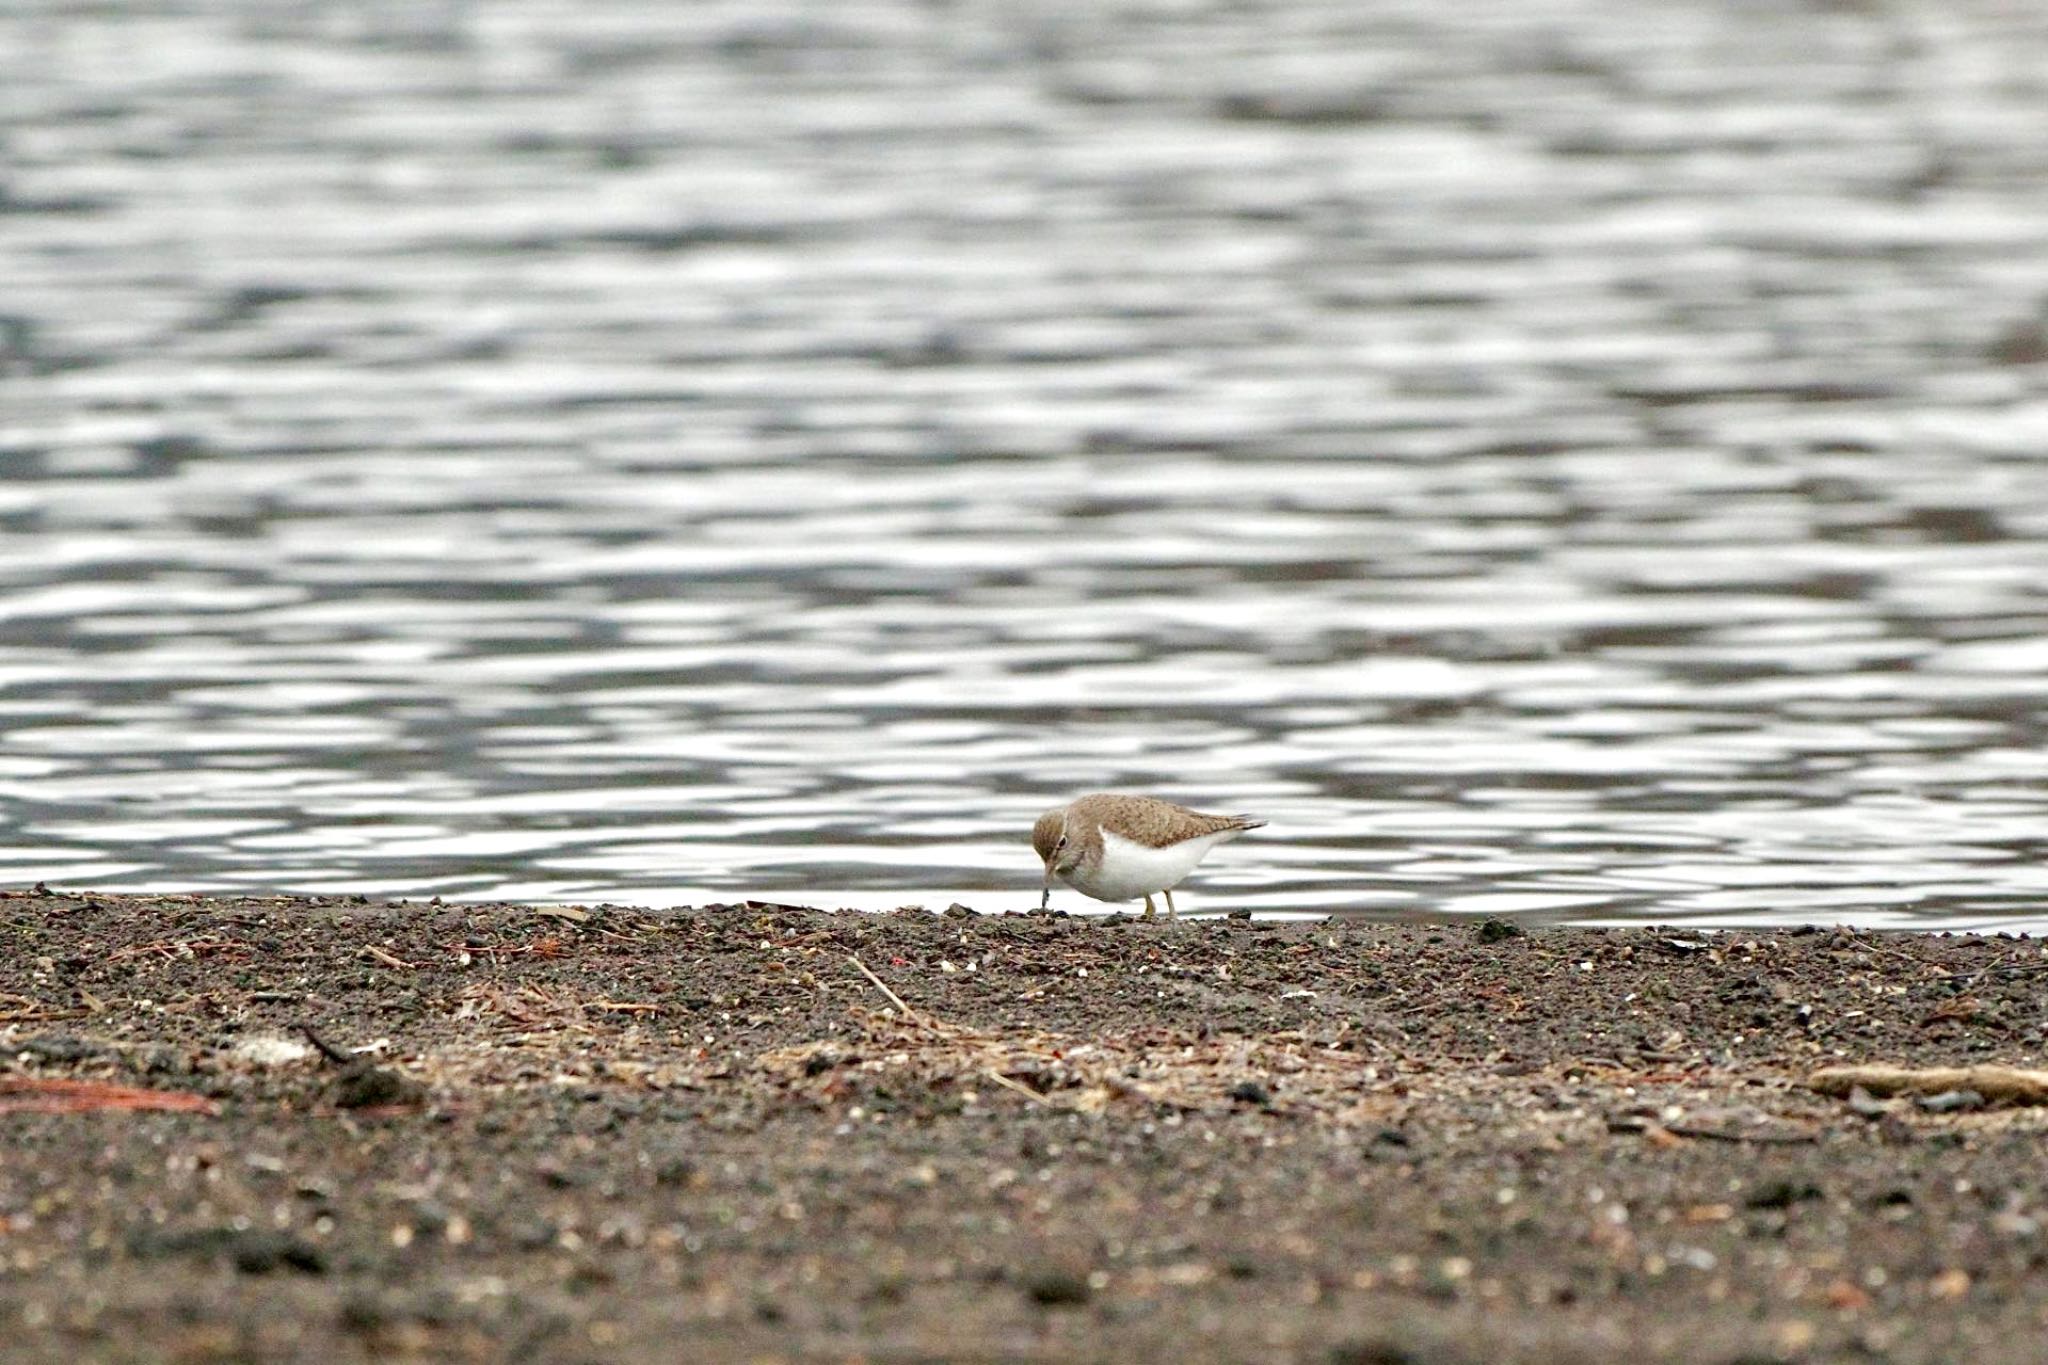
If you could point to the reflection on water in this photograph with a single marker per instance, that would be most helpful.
(1544, 463)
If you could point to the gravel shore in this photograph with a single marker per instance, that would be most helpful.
(322, 1129)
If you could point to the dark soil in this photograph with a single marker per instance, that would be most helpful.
(610, 1134)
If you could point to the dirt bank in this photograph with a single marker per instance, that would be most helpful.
(762, 1133)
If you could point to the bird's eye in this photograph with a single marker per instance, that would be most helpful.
(1060, 843)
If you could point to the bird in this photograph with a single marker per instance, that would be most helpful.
(1117, 848)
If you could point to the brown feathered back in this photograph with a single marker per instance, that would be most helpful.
(1147, 820)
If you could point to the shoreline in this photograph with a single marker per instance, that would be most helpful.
(776, 1133)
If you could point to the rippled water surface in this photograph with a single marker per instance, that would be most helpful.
(1578, 459)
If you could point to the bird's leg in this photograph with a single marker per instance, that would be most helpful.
(1168, 893)
(1148, 908)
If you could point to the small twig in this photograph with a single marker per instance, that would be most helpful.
(1026, 1091)
(1886, 950)
(882, 986)
(625, 1006)
(2012, 1084)
(1976, 974)
(1717, 1133)
(48, 1095)
(388, 959)
(325, 1048)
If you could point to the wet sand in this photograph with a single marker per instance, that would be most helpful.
(763, 1133)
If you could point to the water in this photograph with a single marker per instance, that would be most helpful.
(1557, 459)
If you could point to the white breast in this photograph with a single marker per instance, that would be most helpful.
(1130, 870)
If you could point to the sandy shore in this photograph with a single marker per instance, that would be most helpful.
(762, 1133)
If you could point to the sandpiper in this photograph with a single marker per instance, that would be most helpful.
(1118, 848)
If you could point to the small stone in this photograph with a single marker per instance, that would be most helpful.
(958, 911)
(1497, 930)
(269, 1050)
(61, 1047)
(260, 1253)
(252, 1251)
(1782, 1194)
(361, 1086)
(1951, 1101)
(1251, 1092)
(429, 1218)
(1950, 1285)
(534, 1235)
(1057, 1289)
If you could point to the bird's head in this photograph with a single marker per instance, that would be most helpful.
(1058, 853)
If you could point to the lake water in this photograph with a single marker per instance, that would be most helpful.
(1577, 460)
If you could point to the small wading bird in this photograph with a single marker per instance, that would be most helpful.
(1118, 848)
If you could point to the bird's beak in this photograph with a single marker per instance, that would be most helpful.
(1046, 899)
